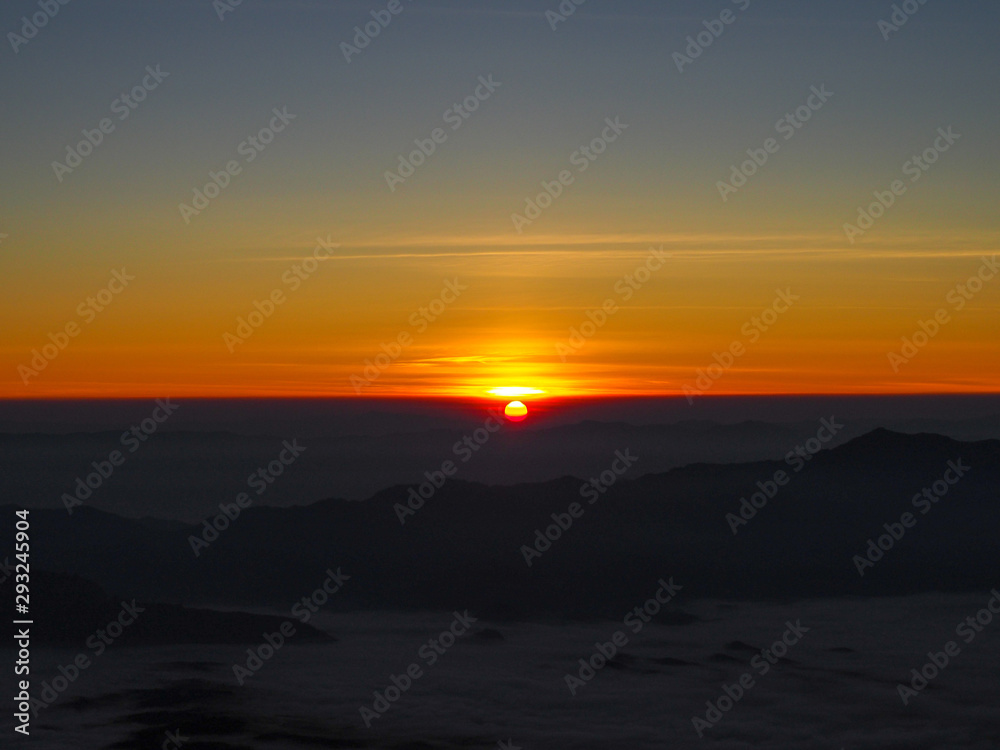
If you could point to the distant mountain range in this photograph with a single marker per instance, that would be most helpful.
(465, 548)
(194, 471)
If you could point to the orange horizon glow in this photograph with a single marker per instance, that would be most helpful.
(854, 309)
(516, 391)
(151, 391)
(488, 344)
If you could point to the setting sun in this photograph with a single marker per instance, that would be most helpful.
(515, 411)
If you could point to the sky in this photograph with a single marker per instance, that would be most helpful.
(644, 274)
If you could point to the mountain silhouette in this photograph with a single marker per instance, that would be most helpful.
(465, 547)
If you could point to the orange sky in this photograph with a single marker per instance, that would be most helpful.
(170, 330)
(440, 265)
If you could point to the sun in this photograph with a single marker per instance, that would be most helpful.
(515, 411)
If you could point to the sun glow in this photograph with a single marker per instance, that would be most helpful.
(512, 391)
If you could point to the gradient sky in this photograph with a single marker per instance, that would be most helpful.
(324, 176)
